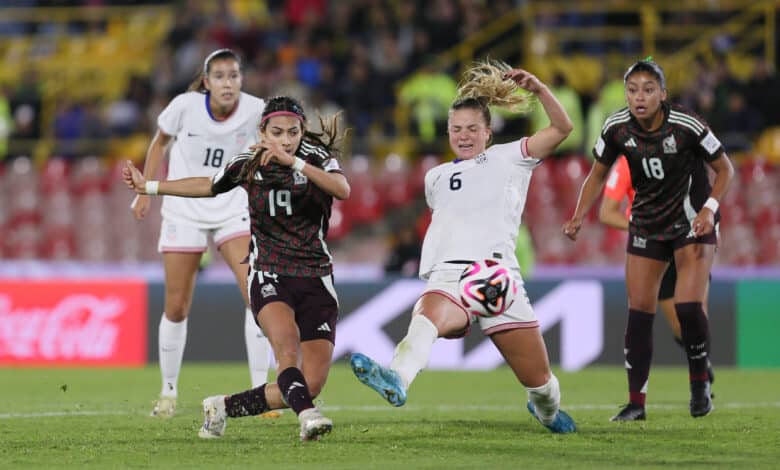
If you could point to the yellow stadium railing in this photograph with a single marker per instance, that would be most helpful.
(750, 24)
(95, 64)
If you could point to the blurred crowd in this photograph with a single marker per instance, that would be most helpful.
(363, 58)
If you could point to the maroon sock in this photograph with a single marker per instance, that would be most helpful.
(249, 403)
(294, 390)
(695, 333)
(639, 353)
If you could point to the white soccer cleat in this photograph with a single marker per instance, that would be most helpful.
(214, 417)
(165, 407)
(313, 424)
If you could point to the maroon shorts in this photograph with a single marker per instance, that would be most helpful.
(664, 250)
(313, 299)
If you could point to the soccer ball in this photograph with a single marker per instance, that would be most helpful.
(487, 288)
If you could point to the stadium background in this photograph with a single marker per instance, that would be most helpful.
(82, 84)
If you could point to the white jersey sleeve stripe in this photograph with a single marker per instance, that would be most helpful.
(621, 116)
(687, 124)
(684, 117)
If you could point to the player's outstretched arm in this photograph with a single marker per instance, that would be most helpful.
(589, 192)
(185, 187)
(545, 140)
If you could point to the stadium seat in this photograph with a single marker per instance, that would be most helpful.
(58, 243)
(54, 175)
(738, 246)
(57, 208)
(422, 223)
(420, 169)
(395, 185)
(339, 224)
(551, 246)
(769, 246)
(365, 203)
(569, 175)
(21, 237)
(88, 175)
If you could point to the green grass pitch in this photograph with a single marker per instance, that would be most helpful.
(98, 418)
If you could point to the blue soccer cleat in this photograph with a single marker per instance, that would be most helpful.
(385, 381)
(562, 423)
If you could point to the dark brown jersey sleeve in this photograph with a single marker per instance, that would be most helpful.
(227, 178)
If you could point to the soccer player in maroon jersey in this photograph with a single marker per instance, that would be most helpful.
(291, 180)
(619, 187)
(674, 215)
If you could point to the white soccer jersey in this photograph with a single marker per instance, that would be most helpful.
(202, 147)
(477, 205)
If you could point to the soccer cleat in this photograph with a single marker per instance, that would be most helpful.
(165, 407)
(385, 381)
(701, 398)
(313, 424)
(630, 412)
(214, 415)
(562, 423)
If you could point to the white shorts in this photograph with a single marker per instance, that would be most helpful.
(178, 237)
(519, 315)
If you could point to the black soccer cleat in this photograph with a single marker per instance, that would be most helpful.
(630, 412)
(701, 398)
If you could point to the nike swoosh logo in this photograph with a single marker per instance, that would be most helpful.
(190, 134)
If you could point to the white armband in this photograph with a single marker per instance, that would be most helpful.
(712, 204)
(298, 164)
(151, 187)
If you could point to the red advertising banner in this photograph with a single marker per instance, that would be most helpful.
(74, 323)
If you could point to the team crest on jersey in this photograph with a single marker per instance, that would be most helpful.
(670, 145)
(267, 290)
(299, 178)
(481, 158)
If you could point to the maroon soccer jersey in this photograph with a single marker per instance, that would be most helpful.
(667, 168)
(289, 213)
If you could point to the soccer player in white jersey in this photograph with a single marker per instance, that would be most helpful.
(201, 130)
(477, 201)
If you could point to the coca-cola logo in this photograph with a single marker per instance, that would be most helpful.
(77, 326)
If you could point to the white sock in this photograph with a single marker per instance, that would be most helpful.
(412, 353)
(258, 350)
(171, 338)
(546, 399)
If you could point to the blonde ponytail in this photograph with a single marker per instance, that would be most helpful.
(485, 82)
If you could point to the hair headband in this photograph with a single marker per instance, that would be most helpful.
(214, 54)
(281, 113)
